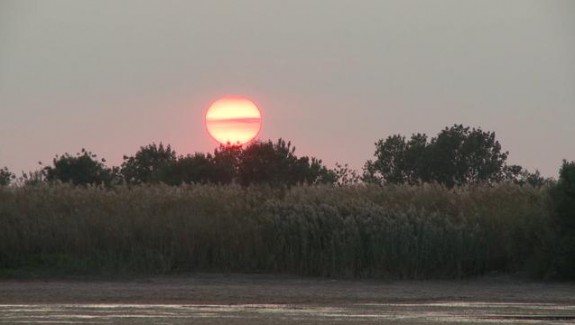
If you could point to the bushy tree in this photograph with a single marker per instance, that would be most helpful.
(460, 155)
(226, 161)
(398, 161)
(521, 176)
(82, 169)
(145, 165)
(457, 155)
(196, 168)
(276, 164)
(269, 163)
(6, 177)
(315, 172)
(563, 195)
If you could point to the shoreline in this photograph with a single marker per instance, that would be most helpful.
(277, 289)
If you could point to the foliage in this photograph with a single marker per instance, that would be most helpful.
(226, 160)
(6, 177)
(276, 164)
(399, 161)
(449, 207)
(197, 168)
(33, 178)
(82, 169)
(563, 195)
(424, 231)
(269, 163)
(456, 156)
(463, 156)
(345, 176)
(518, 175)
(144, 166)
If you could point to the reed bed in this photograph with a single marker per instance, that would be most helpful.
(424, 231)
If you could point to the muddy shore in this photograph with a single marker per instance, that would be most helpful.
(257, 289)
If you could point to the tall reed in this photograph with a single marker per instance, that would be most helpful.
(424, 231)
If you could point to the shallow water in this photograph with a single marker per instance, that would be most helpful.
(444, 312)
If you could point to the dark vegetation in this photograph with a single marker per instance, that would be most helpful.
(82, 169)
(563, 195)
(441, 208)
(456, 156)
(6, 176)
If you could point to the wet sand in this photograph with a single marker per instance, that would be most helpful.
(263, 299)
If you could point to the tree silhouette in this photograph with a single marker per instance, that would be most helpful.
(6, 177)
(399, 161)
(521, 176)
(563, 195)
(456, 156)
(276, 164)
(145, 165)
(268, 163)
(197, 168)
(226, 161)
(460, 155)
(82, 169)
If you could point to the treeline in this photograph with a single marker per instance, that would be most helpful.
(456, 156)
(449, 206)
(271, 163)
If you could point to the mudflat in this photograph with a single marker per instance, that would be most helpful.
(255, 299)
(256, 289)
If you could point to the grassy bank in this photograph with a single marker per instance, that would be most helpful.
(391, 232)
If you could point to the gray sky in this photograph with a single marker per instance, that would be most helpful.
(331, 76)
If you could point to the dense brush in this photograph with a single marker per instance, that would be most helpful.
(424, 231)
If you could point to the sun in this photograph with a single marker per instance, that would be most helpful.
(233, 120)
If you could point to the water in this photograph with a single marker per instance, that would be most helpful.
(444, 312)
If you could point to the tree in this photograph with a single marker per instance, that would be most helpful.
(457, 155)
(82, 169)
(563, 197)
(520, 176)
(226, 161)
(398, 161)
(315, 172)
(197, 168)
(144, 166)
(6, 177)
(259, 163)
(276, 164)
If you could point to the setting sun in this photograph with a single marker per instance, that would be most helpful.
(234, 120)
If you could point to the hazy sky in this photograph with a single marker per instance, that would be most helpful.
(332, 76)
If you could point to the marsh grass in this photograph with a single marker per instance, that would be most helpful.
(424, 231)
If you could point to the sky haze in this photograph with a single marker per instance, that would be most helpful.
(331, 76)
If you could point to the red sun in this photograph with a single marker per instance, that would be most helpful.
(233, 120)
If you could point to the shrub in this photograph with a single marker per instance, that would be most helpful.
(563, 195)
(82, 169)
(6, 177)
